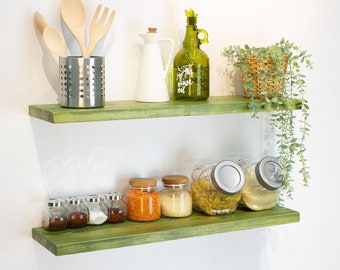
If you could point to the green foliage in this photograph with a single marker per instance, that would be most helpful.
(291, 131)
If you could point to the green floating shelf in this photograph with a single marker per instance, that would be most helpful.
(128, 233)
(130, 109)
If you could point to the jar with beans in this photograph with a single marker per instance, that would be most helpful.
(216, 188)
(117, 209)
(176, 198)
(143, 200)
(77, 213)
(54, 216)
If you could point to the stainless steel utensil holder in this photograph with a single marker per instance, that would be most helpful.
(82, 82)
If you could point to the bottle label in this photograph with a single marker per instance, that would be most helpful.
(184, 78)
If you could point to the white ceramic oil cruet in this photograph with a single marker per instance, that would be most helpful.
(151, 83)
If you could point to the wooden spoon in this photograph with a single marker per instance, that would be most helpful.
(40, 22)
(54, 40)
(74, 16)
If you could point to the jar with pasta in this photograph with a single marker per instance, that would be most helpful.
(176, 198)
(263, 183)
(216, 188)
(143, 200)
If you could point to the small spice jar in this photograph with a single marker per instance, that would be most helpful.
(263, 183)
(176, 200)
(143, 200)
(216, 188)
(77, 213)
(117, 209)
(97, 210)
(54, 216)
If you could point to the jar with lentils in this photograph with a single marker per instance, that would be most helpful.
(143, 200)
(176, 200)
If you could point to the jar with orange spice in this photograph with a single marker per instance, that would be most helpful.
(143, 200)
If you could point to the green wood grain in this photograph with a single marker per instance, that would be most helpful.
(130, 109)
(128, 233)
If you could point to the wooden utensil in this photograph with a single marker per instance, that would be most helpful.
(54, 40)
(98, 30)
(40, 22)
(74, 16)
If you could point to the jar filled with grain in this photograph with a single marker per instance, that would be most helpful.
(143, 200)
(216, 188)
(116, 205)
(176, 200)
(54, 216)
(78, 215)
(263, 183)
(97, 210)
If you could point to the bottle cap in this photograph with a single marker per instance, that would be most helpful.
(228, 177)
(268, 173)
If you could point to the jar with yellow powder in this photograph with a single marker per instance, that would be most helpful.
(216, 188)
(263, 183)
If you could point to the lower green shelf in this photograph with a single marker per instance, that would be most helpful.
(129, 233)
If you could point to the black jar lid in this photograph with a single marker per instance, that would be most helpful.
(267, 172)
(228, 177)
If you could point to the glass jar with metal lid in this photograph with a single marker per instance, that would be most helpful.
(77, 213)
(54, 216)
(143, 200)
(97, 210)
(263, 183)
(116, 205)
(176, 200)
(216, 188)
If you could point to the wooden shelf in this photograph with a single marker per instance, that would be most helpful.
(128, 233)
(130, 109)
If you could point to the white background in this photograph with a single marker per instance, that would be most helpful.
(40, 160)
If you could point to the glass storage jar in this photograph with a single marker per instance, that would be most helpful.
(97, 210)
(176, 200)
(77, 213)
(116, 205)
(54, 216)
(216, 188)
(143, 200)
(263, 183)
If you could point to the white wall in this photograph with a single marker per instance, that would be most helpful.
(39, 159)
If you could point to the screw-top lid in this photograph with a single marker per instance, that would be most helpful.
(54, 203)
(94, 199)
(268, 173)
(143, 182)
(228, 177)
(74, 201)
(114, 196)
(175, 180)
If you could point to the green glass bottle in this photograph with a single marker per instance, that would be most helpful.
(191, 64)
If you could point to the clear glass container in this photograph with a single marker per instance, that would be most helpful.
(117, 208)
(143, 200)
(176, 200)
(216, 188)
(97, 210)
(191, 64)
(263, 183)
(77, 213)
(54, 216)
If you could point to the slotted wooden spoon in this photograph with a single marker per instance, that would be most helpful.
(98, 30)
(74, 16)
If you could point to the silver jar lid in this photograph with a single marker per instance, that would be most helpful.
(228, 177)
(94, 199)
(115, 196)
(268, 173)
(54, 203)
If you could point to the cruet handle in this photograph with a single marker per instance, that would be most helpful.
(167, 66)
(205, 37)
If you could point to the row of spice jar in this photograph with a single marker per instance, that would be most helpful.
(215, 189)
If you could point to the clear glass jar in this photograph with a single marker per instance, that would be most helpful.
(263, 183)
(77, 213)
(176, 200)
(54, 216)
(216, 188)
(116, 205)
(97, 210)
(143, 200)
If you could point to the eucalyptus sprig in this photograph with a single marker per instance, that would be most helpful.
(287, 62)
